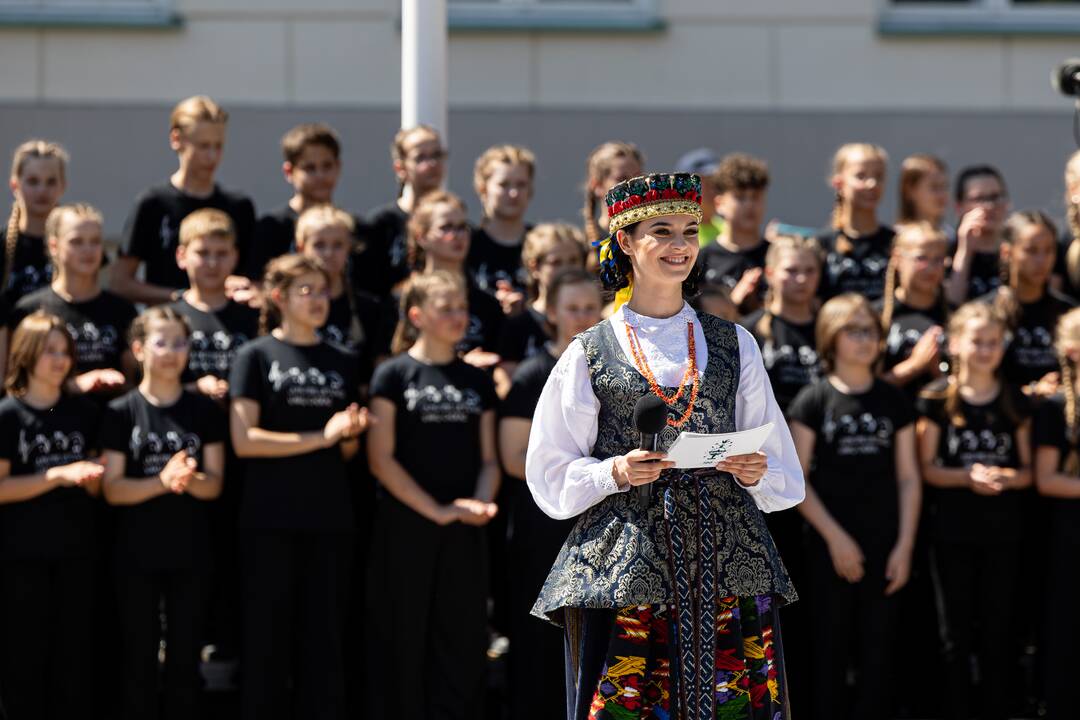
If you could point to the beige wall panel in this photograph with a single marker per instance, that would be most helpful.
(851, 67)
(1030, 62)
(19, 60)
(655, 71)
(347, 63)
(488, 69)
(232, 61)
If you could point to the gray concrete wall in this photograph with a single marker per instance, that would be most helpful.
(118, 149)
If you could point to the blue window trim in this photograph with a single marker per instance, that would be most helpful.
(996, 17)
(629, 16)
(156, 15)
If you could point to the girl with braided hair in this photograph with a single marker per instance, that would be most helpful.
(975, 452)
(38, 181)
(608, 164)
(1056, 438)
(652, 629)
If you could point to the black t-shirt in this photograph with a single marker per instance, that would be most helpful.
(31, 270)
(275, 234)
(907, 326)
(790, 355)
(490, 261)
(383, 262)
(988, 437)
(486, 321)
(854, 466)
(152, 231)
(169, 531)
(985, 274)
(724, 267)
(99, 325)
(1031, 353)
(298, 388)
(368, 339)
(60, 523)
(216, 336)
(437, 421)
(1050, 430)
(528, 382)
(523, 335)
(862, 270)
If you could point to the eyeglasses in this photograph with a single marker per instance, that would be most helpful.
(452, 229)
(861, 332)
(159, 345)
(309, 292)
(991, 199)
(435, 157)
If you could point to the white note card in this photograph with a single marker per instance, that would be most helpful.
(698, 450)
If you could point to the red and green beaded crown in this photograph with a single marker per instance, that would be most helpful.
(649, 196)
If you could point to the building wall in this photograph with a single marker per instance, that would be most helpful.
(787, 79)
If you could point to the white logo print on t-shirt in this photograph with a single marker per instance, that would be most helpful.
(798, 365)
(309, 387)
(1033, 347)
(94, 343)
(443, 404)
(862, 434)
(984, 446)
(213, 352)
(51, 449)
(153, 450)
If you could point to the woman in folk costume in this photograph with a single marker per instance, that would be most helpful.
(669, 584)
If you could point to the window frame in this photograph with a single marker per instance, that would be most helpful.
(92, 13)
(976, 17)
(554, 15)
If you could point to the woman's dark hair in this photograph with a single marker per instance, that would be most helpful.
(617, 275)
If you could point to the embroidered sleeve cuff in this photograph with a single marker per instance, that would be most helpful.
(603, 478)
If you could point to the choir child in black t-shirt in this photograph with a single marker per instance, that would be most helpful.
(855, 435)
(857, 245)
(325, 235)
(50, 476)
(924, 191)
(503, 180)
(151, 233)
(165, 463)
(736, 259)
(536, 657)
(433, 451)
(96, 319)
(295, 420)
(38, 181)
(419, 159)
(974, 435)
(913, 309)
(439, 240)
(982, 204)
(1031, 306)
(607, 165)
(549, 248)
(1057, 474)
(312, 166)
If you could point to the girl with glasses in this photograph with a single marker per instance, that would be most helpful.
(165, 462)
(855, 435)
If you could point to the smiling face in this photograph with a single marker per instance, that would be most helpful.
(662, 250)
(77, 249)
(315, 173)
(861, 180)
(979, 346)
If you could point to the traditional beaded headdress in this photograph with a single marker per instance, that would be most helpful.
(645, 197)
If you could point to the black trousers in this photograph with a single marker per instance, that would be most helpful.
(47, 638)
(295, 597)
(851, 628)
(427, 605)
(976, 584)
(1061, 628)
(788, 531)
(141, 597)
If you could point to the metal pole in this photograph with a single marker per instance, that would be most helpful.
(423, 64)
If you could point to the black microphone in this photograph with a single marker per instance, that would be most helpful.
(650, 419)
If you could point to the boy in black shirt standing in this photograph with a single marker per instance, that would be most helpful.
(503, 180)
(197, 135)
(312, 166)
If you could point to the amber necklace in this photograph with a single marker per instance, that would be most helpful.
(691, 373)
